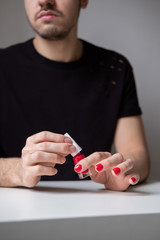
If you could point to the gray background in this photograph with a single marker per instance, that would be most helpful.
(131, 27)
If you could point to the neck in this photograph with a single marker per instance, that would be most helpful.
(65, 50)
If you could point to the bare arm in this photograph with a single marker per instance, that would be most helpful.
(130, 142)
(9, 172)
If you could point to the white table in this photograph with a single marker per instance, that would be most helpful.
(80, 210)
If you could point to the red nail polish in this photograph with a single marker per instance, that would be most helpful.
(78, 168)
(99, 167)
(116, 170)
(133, 179)
(76, 158)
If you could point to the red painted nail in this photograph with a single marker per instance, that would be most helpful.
(78, 168)
(85, 171)
(133, 179)
(99, 167)
(116, 170)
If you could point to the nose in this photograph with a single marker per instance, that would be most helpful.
(46, 2)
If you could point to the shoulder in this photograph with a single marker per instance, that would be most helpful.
(114, 60)
(13, 52)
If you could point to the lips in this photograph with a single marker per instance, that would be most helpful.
(47, 14)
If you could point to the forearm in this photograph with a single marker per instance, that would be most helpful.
(140, 157)
(10, 172)
(130, 141)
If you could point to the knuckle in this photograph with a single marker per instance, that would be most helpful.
(130, 163)
(59, 159)
(108, 163)
(97, 155)
(38, 169)
(43, 146)
(64, 148)
(120, 156)
(24, 150)
(59, 138)
(108, 154)
(53, 171)
(125, 166)
(36, 155)
(28, 140)
(44, 135)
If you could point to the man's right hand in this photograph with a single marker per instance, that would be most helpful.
(40, 155)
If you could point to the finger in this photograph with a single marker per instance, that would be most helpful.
(130, 179)
(46, 136)
(133, 179)
(109, 162)
(123, 167)
(46, 164)
(40, 170)
(52, 147)
(45, 157)
(91, 160)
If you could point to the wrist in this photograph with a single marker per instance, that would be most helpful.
(10, 172)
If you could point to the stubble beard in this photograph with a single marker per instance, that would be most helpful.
(52, 32)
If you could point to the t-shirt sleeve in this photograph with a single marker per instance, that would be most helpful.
(2, 154)
(129, 104)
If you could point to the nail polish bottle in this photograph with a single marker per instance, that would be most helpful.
(77, 156)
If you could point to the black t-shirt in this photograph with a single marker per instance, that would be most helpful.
(84, 98)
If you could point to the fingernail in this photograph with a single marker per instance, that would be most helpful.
(86, 171)
(72, 149)
(116, 170)
(133, 179)
(67, 140)
(78, 168)
(99, 167)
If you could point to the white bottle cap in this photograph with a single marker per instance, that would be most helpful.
(78, 148)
